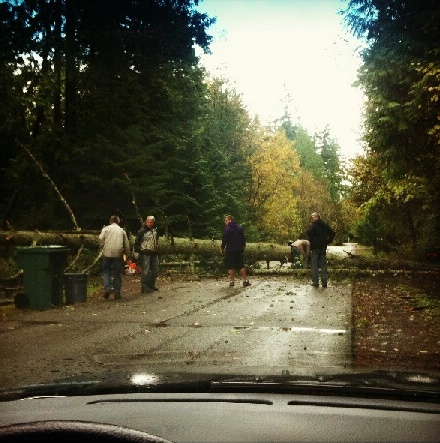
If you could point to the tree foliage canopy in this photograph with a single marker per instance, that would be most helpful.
(400, 76)
(109, 101)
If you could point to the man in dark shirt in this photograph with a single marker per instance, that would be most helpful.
(233, 246)
(320, 235)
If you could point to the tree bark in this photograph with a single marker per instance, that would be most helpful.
(57, 62)
(71, 69)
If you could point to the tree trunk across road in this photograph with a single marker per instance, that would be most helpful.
(178, 246)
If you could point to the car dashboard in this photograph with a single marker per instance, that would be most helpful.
(228, 417)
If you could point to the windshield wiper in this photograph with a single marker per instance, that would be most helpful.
(380, 384)
(104, 387)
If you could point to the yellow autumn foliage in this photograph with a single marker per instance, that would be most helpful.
(275, 167)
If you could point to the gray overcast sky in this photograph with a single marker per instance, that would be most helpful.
(271, 48)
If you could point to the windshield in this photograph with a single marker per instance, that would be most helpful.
(220, 190)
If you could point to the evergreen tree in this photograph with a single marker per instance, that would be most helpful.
(399, 76)
(104, 91)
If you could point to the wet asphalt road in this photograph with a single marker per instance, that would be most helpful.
(277, 324)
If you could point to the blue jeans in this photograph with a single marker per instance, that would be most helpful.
(295, 257)
(319, 262)
(294, 252)
(150, 269)
(112, 274)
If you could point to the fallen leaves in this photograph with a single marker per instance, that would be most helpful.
(397, 322)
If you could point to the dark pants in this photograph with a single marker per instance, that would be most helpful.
(112, 274)
(234, 260)
(295, 254)
(319, 262)
(150, 269)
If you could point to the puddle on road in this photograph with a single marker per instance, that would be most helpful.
(163, 324)
(291, 329)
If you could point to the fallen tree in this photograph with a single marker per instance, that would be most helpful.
(78, 241)
(175, 246)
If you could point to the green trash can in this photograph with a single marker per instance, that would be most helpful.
(43, 268)
(75, 288)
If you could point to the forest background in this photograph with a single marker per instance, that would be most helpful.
(108, 100)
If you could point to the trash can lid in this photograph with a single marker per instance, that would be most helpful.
(37, 249)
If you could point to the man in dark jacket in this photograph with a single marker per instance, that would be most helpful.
(233, 246)
(320, 235)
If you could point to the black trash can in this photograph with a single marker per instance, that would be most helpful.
(43, 268)
(75, 288)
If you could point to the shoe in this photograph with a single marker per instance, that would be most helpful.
(231, 284)
(324, 285)
(246, 283)
(316, 285)
(118, 297)
(154, 288)
(107, 294)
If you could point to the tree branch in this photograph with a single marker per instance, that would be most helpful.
(46, 176)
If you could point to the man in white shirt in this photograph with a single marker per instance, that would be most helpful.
(114, 242)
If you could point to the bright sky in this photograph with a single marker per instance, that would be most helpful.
(272, 49)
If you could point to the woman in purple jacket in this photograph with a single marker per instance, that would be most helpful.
(233, 246)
